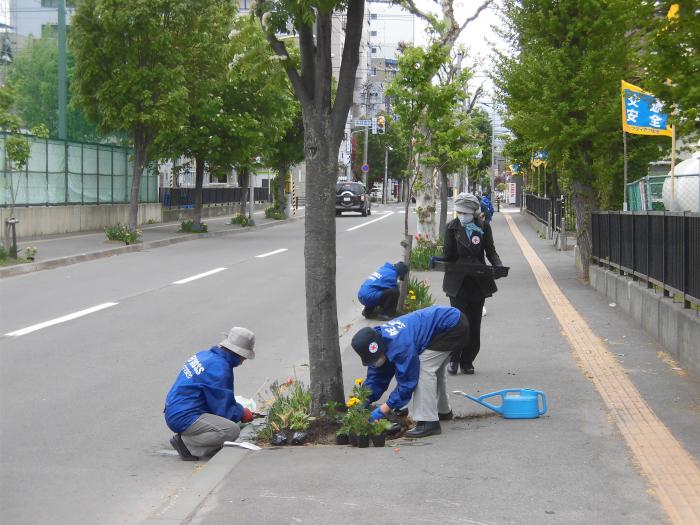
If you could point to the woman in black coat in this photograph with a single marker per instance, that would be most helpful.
(467, 240)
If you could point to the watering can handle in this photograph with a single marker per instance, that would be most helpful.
(480, 399)
(544, 403)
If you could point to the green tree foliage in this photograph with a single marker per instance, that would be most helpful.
(282, 154)
(672, 59)
(130, 70)
(561, 85)
(34, 77)
(431, 122)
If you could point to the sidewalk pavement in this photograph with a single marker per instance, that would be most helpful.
(569, 466)
(64, 249)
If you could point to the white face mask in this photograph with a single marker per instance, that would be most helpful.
(466, 218)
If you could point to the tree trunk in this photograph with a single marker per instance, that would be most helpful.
(140, 157)
(443, 204)
(243, 184)
(251, 198)
(583, 204)
(407, 244)
(280, 196)
(425, 201)
(320, 268)
(198, 182)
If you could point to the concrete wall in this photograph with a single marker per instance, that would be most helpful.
(47, 220)
(675, 327)
(182, 214)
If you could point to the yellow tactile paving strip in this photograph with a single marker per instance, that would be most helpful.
(672, 472)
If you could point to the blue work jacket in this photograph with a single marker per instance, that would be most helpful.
(371, 290)
(487, 208)
(406, 337)
(204, 384)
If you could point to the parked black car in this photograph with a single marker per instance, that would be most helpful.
(352, 196)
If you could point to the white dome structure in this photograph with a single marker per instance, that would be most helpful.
(687, 191)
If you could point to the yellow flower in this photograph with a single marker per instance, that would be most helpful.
(411, 292)
(359, 381)
(352, 402)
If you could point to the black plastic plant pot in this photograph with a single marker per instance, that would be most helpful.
(298, 438)
(279, 439)
(353, 439)
(379, 440)
(362, 441)
(342, 439)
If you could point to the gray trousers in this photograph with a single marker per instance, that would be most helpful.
(430, 396)
(207, 434)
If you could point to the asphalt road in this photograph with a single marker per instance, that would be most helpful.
(96, 346)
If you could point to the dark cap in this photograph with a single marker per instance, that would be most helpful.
(402, 269)
(368, 344)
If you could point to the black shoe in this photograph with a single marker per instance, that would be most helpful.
(179, 445)
(447, 416)
(452, 368)
(468, 370)
(424, 429)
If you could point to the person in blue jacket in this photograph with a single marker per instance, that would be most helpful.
(414, 349)
(201, 406)
(486, 208)
(381, 290)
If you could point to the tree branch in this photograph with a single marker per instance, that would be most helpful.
(483, 6)
(308, 58)
(324, 68)
(281, 50)
(411, 6)
(348, 66)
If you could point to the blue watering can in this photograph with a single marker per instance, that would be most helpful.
(522, 404)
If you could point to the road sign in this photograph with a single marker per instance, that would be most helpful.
(374, 126)
(367, 122)
(365, 168)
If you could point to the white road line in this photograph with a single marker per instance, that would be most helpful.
(386, 214)
(58, 320)
(200, 275)
(271, 253)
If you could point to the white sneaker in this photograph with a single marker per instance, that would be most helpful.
(483, 311)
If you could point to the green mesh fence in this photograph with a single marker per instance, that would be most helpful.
(61, 172)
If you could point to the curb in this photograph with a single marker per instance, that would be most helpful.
(185, 502)
(50, 264)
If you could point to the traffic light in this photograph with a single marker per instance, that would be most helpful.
(380, 124)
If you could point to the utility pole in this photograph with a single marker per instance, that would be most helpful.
(494, 164)
(62, 78)
(365, 174)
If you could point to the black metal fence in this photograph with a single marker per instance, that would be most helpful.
(545, 209)
(184, 197)
(662, 248)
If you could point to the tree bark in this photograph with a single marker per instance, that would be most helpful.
(280, 196)
(198, 183)
(425, 201)
(443, 204)
(583, 204)
(140, 157)
(320, 267)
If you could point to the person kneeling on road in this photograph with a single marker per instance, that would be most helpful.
(201, 407)
(381, 289)
(415, 349)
